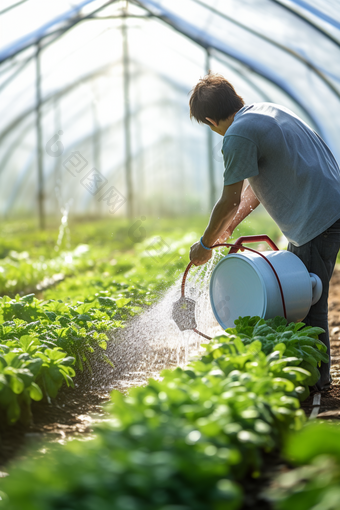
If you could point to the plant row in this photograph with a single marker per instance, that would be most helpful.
(44, 343)
(40, 346)
(187, 441)
(19, 272)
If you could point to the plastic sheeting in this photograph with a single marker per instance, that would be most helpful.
(115, 79)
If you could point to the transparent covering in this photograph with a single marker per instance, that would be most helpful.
(94, 96)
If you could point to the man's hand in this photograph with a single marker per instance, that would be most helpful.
(199, 255)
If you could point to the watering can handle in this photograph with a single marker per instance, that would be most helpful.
(238, 246)
(252, 239)
(233, 249)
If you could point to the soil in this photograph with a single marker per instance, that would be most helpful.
(75, 410)
(330, 399)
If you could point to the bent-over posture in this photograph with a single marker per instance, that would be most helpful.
(290, 170)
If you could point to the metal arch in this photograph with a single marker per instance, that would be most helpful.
(210, 42)
(36, 36)
(10, 7)
(27, 166)
(307, 21)
(89, 77)
(166, 17)
(282, 47)
(247, 79)
(28, 163)
(317, 12)
(71, 86)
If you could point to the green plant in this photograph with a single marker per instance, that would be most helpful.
(184, 442)
(19, 271)
(29, 369)
(39, 344)
(315, 484)
(300, 341)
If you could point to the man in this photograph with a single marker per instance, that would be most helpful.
(290, 170)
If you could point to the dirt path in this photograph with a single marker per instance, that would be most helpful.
(330, 400)
(75, 410)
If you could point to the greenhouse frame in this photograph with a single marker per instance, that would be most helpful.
(94, 96)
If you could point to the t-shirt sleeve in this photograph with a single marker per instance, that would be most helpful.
(240, 157)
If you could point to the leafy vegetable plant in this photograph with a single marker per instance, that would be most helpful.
(300, 341)
(39, 344)
(316, 482)
(184, 442)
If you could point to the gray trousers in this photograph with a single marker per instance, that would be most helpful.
(319, 256)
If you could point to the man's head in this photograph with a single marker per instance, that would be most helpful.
(213, 100)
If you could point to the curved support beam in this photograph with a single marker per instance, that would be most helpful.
(280, 46)
(316, 12)
(34, 37)
(210, 42)
(308, 21)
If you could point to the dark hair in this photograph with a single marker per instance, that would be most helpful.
(214, 97)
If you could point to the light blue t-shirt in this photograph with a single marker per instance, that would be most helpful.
(289, 167)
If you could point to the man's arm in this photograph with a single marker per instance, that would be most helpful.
(249, 202)
(221, 217)
(223, 213)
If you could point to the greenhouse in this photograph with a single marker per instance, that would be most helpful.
(114, 77)
(140, 367)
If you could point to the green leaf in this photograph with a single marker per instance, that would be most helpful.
(107, 301)
(28, 343)
(313, 440)
(28, 298)
(34, 366)
(84, 317)
(279, 382)
(51, 385)
(35, 392)
(300, 373)
(68, 361)
(314, 373)
(68, 379)
(16, 384)
(84, 308)
(103, 344)
(55, 354)
(122, 302)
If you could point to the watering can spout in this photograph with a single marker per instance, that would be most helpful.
(183, 313)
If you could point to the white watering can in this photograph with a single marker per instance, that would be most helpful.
(264, 284)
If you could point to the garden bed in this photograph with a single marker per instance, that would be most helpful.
(74, 410)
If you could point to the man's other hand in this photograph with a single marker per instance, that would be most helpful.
(199, 255)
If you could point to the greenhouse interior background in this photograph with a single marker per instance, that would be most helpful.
(94, 96)
(128, 382)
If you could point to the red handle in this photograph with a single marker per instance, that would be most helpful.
(233, 249)
(252, 239)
